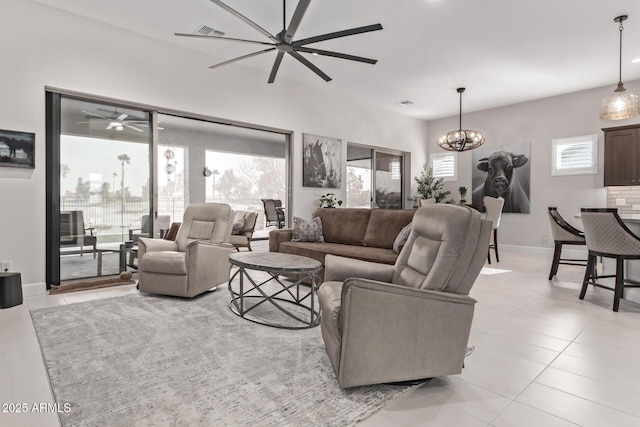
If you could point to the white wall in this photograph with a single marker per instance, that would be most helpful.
(46, 47)
(539, 122)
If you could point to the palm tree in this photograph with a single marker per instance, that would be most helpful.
(113, 185)
(124, 158)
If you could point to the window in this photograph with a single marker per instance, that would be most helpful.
(445, 165)
(574, 156)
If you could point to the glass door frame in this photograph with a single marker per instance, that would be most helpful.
(53, 103)
(405, 170)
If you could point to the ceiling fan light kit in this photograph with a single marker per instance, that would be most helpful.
(621, 104)
(460, 140)
(283, 42)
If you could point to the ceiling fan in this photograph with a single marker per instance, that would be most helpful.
(119, 121)
(283, 42)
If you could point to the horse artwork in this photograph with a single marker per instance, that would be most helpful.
(503, 172)
(17, 149)
(322, 162)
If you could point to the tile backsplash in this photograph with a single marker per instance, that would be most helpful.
(626, 199)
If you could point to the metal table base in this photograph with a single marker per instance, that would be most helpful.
(247, 293)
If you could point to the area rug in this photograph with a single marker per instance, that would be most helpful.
(150, 360)
(89, 284)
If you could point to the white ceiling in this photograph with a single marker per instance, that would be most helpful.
(502, 51)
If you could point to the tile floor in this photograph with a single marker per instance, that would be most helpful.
(542, 356)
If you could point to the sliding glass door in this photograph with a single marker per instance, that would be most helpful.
(103, 185)
(375, 178)
(116, 172)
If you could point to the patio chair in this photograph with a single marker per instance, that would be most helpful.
(273, 212)
(243, 229)
(163, 222)
(74, 233)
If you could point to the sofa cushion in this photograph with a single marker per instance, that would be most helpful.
(401, 238)
(345, 225)
(384, 225)
(304, 231)
(318, 251)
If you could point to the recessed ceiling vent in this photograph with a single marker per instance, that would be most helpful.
(203, 30)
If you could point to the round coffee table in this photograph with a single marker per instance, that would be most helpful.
(295, 300)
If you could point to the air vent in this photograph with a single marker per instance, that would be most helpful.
(203, 30)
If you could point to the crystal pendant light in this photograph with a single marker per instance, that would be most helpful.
(621, 104)
(461, 140)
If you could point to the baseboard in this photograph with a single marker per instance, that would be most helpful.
(31, 289)
(566, 252)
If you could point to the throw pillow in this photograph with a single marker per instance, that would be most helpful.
(401, 239)
(304, 231)
(238, 223)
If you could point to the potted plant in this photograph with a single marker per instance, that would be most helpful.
(463, 195)
(430, 187)
(329, 200)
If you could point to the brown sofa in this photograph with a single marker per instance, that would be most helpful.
(366, 234)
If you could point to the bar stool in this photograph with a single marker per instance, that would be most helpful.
(563, 234)
(607, 236)
(494, 207)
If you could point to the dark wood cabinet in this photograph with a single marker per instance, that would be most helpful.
(622, 155)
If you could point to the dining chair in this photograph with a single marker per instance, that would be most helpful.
(493, 206)
(607, 236)
(563, 234)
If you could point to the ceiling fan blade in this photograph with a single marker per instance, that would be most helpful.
(246, 20)
(276, 66)
(309, 65)
(296, 19)
(97, 115)
(242, 57)
(338, 34)
(133, 127)
(335, 54)
(122, 116)
(199, 36)
(113, 125)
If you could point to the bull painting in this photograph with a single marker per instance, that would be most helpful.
(505, 174)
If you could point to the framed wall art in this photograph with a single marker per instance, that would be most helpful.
(17, 149)
(503, 171)
(322, 161)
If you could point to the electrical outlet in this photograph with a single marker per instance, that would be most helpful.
(6, 266)
(544, 239)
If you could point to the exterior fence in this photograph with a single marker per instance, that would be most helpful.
(113, 217)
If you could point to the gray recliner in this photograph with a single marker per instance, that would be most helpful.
(196, 261)
(408, 321)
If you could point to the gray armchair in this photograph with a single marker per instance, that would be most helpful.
(408, 321)
(196, 261)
